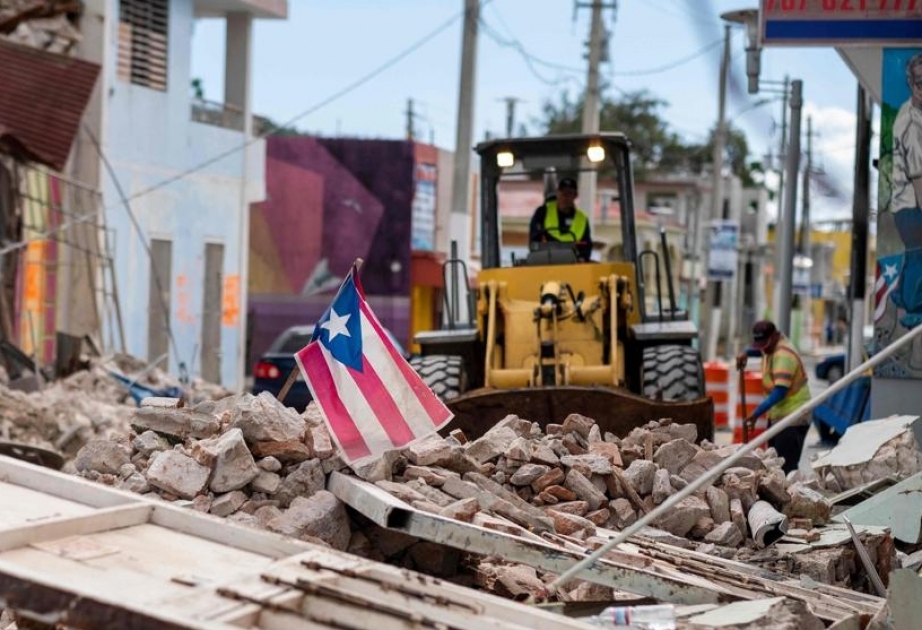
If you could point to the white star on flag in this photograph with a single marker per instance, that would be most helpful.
(336, 325)
(890, 271)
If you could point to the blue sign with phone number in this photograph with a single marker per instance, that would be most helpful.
(843, 22)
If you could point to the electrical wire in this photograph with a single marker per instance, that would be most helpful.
(314, 108)
(530, 60)
(672, 65)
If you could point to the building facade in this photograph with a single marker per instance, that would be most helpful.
(175, 218)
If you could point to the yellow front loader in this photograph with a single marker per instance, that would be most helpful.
(546, 336)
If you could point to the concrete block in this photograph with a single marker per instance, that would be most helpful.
(321, 515)
(178, 474)
(675, 455)
(103, 456)
(227, 454)
(263, 418)
(640, 475)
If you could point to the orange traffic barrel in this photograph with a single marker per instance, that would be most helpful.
(717, 386)
(755, 394)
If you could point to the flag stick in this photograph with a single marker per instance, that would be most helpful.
(293, 375)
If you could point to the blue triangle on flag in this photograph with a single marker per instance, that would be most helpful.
(339, 329)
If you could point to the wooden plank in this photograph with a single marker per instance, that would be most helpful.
(71, 526)
(63, 597)
(64, 486)
(19, 506)
(221, 531)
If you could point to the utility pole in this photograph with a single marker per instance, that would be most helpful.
(459, 222)
(782, 157)
(806, 247)
(712, 294)
(861, 207)
(786, 240)
(587, 179)
(510, 115)
(411, 135)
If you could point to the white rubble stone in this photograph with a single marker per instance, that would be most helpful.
(320, 516)
(180, 423)
(103, 456)
(304, 481)
(491, 445)
(227, 504)
(684, 516)
(230, 459)
(264, 419)
(640, 475)
(269, 464)
(266, 482)
(662, 488)
(727, 534)
(178, 474)
(149, 442)
(527, 473)
(719, 503)
(674, 455)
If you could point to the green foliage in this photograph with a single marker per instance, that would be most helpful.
(657, 148)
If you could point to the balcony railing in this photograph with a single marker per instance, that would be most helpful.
(217, 114)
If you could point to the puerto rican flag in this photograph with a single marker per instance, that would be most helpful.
(370, 397)
(885, 280)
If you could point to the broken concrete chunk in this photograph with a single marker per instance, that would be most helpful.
(623, 514)
(431, 451)
(675, 455)
(579, 424)
(608, 450)
(175, 423)
(491, 445)
(288, 451)
(323, 444)
(306, 480)
(227, 504)
(178, 474)
(571, 524)
(520, 450)
(588, 464)
(103, 456)
(807, 503)
(719, 503)
(269, 464)
(584, 489)
(552, 477)
(266, 482)
(683, 517)
(662, 488)
(321, 516)
(436, 560)
(726, 533)
(544, 454)
(229, 457)
(430, 476)
(527, 474)
(462, 510)
(149, 442)
(263, 418)
(640, 475)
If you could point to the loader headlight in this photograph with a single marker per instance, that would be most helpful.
(596, 153)
(505, 159)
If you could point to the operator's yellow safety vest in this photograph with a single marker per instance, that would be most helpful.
(799, 393)
(552, 224)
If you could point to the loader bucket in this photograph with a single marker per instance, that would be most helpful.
(614, 410)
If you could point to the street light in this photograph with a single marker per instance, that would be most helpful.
(750, 19)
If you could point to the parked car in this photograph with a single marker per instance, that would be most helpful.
(274, 367)
(832, 367)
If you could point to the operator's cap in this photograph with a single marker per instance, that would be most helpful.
(762, 332)
(567, 182)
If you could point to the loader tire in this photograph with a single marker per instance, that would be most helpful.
(444, 374)
(672, 373)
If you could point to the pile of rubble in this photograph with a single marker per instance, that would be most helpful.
(63, 415)
(260, 464)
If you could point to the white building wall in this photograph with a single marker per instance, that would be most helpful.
(149, 138)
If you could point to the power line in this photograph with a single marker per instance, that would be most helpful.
(530, 60)
(333, 97)
(671, 65)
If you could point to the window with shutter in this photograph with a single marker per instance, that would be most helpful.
(142, 42)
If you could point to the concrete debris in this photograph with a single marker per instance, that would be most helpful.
(260, 465)
(873, 450)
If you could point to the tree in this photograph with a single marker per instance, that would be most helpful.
(657, 148)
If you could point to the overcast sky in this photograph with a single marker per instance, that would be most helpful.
(531, 50)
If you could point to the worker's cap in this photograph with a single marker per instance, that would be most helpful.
(567, 182)
(762, 332)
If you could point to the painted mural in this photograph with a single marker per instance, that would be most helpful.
(330, 201)
(898, 286)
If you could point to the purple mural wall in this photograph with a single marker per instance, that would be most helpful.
(330, 201)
